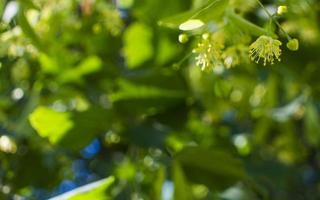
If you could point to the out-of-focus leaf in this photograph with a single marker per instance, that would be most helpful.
(50, 124)
(158, 184)
(211, 11)
(48, 64)
(28, 30)
(138, 44)
(28, 4)
(214, 168)
(126, 171)
(146, 136)
(182, 190)
(96, 190)
(312, 124)
(2, 4)
(70, 130)
(131, 91)
(87, 66)
(87, 125)
(246, 26)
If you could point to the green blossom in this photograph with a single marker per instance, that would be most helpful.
(209, 51)
(265, 48)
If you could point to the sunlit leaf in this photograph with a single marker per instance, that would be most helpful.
(51, 124)
(96, 190)
(138, 46)
(182, 189)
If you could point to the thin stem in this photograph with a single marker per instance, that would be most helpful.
(274, 20)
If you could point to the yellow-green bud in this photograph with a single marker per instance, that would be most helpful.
(205, 36)
(282, 10)
(293, 44)
(183, 38)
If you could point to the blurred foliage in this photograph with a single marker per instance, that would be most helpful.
(161, 97)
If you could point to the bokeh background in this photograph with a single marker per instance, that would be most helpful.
(102, 92)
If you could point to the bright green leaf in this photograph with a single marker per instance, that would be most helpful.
(182, 189)
(50, 123)
(96, 190)
(138, 44)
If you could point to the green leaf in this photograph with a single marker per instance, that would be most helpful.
(211, 11)
(182, 190)
(312, 124)
(48, 64)
(138, 46)
(96, 190)
(87, 125)
(28, 30)
(87, 66)
(158, 183)
(29, 4)
(128, 90)
(2, 4)
(246, 25)
(214, 168)
(51, 124)
(72, 130)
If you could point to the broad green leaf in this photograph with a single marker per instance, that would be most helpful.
(72, 130)
(132, 91)
(87, 125)
(125, 4)
(48, 64)
(89, 65)
(138, 46)
(96, 190)
(158, 183)
(51, 124)
(28, 30)
(2, 4)
(126, 171)
(182, 190)
(214, 168)
(28, 4)
(312, 124)
(211, 11)
(246, 25)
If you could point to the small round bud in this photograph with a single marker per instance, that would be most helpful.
(205, 36)
(293, 44)
(183, 38)
(282, 10)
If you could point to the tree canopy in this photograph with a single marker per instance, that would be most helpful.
(159, 99)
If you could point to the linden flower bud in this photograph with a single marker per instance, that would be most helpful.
(183, 38)
(293, 44)
(282, 10)
(205, 36)
(265, 48)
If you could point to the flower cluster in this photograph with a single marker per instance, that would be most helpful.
(265, 48)
(209, 51)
